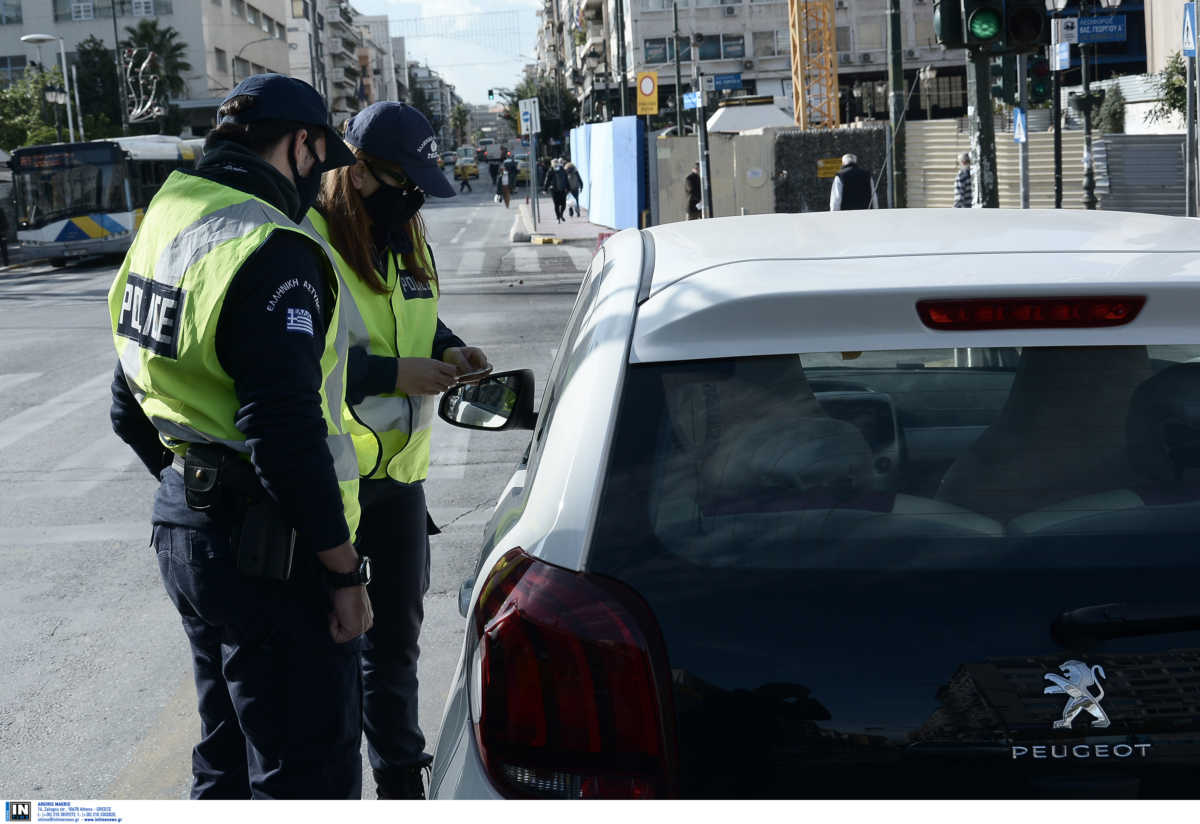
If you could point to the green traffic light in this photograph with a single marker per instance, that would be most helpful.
(984, 24)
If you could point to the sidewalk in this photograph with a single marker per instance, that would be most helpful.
(576, 231)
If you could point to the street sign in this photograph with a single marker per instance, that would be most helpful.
(1020, 132)
(828, 167)
(1060, 60)
(647, 97)
(1108, 28)
(1189, 29)
(691, 100)
(1066, 30)
(721, 82)
(531, 115)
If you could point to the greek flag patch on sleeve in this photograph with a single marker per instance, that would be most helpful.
(300, 320)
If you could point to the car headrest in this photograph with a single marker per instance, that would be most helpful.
(1163, 426)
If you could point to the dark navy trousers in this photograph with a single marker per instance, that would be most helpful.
(394, 533)
(280, 707)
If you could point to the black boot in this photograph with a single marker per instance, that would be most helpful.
(403, 783)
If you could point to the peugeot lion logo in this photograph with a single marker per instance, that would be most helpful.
(1077, 685)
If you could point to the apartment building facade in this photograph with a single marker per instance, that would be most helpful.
(440, 98)
(227, 40)
(748, 38)
(382, 62)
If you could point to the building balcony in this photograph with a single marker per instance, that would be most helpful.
(338, 17)
(337, 77)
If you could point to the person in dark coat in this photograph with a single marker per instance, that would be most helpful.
(963, 190)
(691, 185)
(852, 188)
(557, 184)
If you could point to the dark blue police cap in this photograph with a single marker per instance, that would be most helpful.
(279, 97)
(398, 134)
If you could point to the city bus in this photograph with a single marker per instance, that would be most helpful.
(80, 199)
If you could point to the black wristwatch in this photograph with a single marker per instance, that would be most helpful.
(358, 578)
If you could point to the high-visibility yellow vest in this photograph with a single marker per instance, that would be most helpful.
(165, 304)
(392, 431)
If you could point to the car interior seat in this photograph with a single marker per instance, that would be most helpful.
(1163, 444)
(762, 465)
(1060, 435)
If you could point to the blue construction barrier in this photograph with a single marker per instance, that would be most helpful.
(612, 156)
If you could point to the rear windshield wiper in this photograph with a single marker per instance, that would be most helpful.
(1104, 621)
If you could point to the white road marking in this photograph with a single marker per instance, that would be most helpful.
(471, 263)
(82, 471)
(526, 259)
(458, 234)
(17, 378)
(23, 424)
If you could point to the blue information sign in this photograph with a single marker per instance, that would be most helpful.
(691, 100)
(1189, 29)
(721, 82)
(1108, 28)
(1020, 133)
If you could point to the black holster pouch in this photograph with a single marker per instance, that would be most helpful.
(216, 479)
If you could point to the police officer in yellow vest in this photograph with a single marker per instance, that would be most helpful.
(230, 387)
(401, 357)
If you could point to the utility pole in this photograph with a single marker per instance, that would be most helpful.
(621, 50)
(896, 193)
(120, 73)
(1058, 125)
(983, 139)
(1189, 167)
(678, 72)
(1085, 105)
(706, 206)
(1023, 146)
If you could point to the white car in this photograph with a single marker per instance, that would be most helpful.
(862, 504)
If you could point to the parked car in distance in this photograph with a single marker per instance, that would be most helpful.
(522, 159)
(449, 158)
(888, 503)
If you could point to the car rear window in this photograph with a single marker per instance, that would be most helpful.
(939, 458)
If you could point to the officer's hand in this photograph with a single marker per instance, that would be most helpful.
(424, 376)
(466, 359)
(351, 615)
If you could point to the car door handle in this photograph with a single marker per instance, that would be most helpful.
(1104, 621)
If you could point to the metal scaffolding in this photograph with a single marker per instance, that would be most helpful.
(813, 35)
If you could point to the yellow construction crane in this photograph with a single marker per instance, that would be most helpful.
(814, 63)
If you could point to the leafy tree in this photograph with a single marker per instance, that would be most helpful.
(1111, 119)
(459, 118)
(25, 117)
(555, 123)
(420, 101)
(170, 55)
(98, 98)
(1172, 90)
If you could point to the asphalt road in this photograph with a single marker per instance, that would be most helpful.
(97, 699)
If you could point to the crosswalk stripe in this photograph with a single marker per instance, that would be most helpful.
(82, 471)
(471, 262)
(17, 378)
(526, 259)
(25, 423)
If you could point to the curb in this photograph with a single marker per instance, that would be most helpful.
(518, 233)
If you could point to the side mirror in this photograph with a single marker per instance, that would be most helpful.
(500, 401)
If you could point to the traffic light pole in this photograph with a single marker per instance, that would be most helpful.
(896, 107)
(1023, 146)
(1189, 170)
(1058, 124)
(983, 139)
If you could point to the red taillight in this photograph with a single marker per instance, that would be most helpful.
(568, 685)
(1029, 313)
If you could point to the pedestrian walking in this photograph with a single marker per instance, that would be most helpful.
(963, 190)
(691, 186)
(4, 234)
(464, 184)
(508, 178)
(226, 319)
(401, 358)
(556, 184)
(493, 169)
(852, 188)
(574, 186)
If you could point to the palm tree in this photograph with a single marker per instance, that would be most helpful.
(458, 121)
(170, 61)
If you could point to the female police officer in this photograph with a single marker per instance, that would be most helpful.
(401, 357)
(229, 388)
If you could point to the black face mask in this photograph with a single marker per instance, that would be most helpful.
(307, 185)
(391, 208)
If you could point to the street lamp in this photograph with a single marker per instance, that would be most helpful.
(238, 56)
(1087, 102)
(38, 40)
